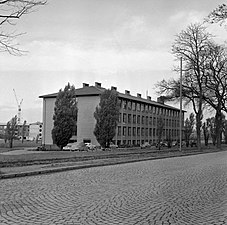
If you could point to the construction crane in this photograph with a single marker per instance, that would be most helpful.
(19, 107)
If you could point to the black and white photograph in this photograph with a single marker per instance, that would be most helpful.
(113, 112)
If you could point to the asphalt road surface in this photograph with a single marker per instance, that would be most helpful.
(183, 190)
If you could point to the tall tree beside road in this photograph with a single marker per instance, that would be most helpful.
(216, 85)
(11, 130)
(65, 116)
(212, 127)
(206, 132)
(106, 115)
(191, 45)
(10, 12)
(225, 131)
(188, 128)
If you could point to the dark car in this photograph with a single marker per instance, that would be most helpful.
(41, 148)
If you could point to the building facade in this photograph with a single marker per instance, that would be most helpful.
(137, 124)
(35, 131)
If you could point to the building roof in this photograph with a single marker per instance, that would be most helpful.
(96, 90)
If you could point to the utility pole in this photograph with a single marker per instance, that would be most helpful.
(180, 104)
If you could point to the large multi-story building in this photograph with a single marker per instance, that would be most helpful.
(137, 121)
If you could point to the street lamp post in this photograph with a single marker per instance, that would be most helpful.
(180, 136)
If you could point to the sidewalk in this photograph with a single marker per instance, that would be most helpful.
(29, 170)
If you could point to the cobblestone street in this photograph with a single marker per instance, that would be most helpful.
(183, 190)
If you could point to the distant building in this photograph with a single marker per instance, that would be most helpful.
(22, 130)
(137, 122)
(35, 131)
(2, 129)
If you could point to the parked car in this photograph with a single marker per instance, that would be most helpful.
(41, 148)
(76, 147)
(162, 144)
(90, 146)
(112, 145)
(145, 145)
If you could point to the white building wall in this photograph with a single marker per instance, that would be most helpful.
(85, 120)
(48, 123)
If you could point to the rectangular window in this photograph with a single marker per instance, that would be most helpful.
(142, 131)
(124, 117)
(146, 132)
(138, 107)
(138, 131)
(134, 131)
(124, 131)
(124, 104)
(129, 105)
(134, 118)
(138, 119)
(154, 110)
(134, 106)
(142, 119)
(129, 131)
(146, 120)
(129, 118)
(150, 132)
(119, 119)
(119, 131)
(142, 107)
(154, 132)
(146, 108)
(154, 121)
(150, 122)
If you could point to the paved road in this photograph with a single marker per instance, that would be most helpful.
(185, 190)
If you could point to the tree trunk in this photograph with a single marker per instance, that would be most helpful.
(11, 143)
(218, 120)
(198, 129)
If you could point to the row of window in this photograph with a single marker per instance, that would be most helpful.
(135, 106)
(138, 131)
(137, 119)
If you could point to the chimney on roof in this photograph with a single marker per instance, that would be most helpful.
(127, 92)
(149, 98)
(113, 88)
(138, 95)
(161, 99)
(85, 85)
(97, 84)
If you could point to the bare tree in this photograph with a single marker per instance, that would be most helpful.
(206, 132)
(212, 127)
(216, 85)
(225, 131)
(191, 45)
(10, 12)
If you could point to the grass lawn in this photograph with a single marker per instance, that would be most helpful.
(21, 157)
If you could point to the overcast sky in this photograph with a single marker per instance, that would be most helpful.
(122, 43)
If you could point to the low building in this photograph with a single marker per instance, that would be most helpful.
(137, 121)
